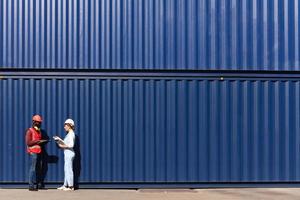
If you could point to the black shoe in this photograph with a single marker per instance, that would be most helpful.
(32, 189)
(41, 186)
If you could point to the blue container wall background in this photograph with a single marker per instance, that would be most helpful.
(150, 34)
(158, 130)
(141, 79)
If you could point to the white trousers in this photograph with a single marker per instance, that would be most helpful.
(68, 168)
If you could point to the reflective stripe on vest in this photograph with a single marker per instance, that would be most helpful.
(35, 136)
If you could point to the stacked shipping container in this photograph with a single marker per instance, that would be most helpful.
(183, 92)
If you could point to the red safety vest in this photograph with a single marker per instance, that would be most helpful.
(36, 135)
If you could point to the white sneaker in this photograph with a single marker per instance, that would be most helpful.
(62, 187)
(68, 189)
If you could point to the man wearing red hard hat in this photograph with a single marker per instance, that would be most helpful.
(33, 142)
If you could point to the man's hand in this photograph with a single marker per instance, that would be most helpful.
(42, 141)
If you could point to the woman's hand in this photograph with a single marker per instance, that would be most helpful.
(63, 146)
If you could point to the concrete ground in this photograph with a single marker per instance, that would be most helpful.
(155, 194)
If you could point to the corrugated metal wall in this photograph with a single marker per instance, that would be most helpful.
(158, 130)
(150, 34)
(151, 127)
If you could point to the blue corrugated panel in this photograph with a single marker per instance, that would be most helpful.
(158, 130)
(150, 34)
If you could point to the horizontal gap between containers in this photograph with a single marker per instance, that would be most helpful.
(157, 74)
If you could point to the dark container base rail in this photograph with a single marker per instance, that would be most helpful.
(136, 186)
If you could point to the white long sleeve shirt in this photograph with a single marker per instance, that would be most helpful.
(69, 140)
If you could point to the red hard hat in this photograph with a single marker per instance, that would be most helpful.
(37, 118)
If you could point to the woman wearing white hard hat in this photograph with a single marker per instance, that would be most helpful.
(68, 147)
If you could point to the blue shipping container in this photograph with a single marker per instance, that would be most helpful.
(158, 130)
(150, 34)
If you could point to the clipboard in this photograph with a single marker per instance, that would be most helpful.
(43, 141)
(58, 140)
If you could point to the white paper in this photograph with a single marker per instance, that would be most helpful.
(58, 140)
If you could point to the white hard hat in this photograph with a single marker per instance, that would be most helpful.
(70, 121)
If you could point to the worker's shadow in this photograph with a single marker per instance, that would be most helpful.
(53, 159)
(77, 162)
(46, 159)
